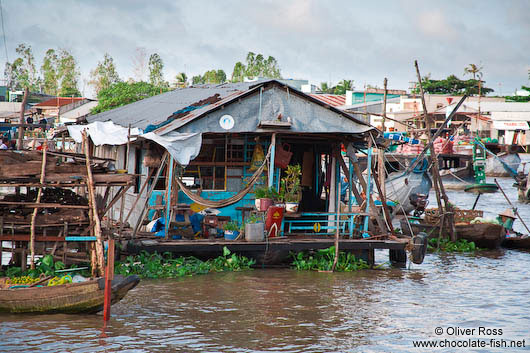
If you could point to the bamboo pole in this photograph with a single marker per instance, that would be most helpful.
(92, 199)
(20, 142)
(337, 232)
(512, 206)
(150, 192)
(122, 203)
(36, 209)
(438, 185)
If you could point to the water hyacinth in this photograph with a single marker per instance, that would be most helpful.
(156, 265)
(322, 260)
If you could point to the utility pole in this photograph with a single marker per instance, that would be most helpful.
(20, 142)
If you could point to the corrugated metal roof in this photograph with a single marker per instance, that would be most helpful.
(80, 111)
(334, 100)
(58, 102)
(157, 109)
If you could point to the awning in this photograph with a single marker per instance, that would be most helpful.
(183, 147)
(102, 133)
(511, 125)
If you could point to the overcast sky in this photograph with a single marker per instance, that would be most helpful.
(316, 40)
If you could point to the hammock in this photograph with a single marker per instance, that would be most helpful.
(231, 200)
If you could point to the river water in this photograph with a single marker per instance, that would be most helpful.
(383, 310)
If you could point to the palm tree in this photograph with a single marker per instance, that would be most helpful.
(475, 70)
(181, 80)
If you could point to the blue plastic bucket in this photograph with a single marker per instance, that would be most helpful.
(231, 234)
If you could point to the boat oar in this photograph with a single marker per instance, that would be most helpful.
(41, 281)
(513, 208)
(476, 201)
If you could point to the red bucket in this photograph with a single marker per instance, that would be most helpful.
(274, 217)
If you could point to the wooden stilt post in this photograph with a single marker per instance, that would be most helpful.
(36, 209)
(337, 232)
(109, 274)
(92, 199)
(144, 208)
(446, 212)
(122, 203)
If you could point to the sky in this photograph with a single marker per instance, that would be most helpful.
(321, 41)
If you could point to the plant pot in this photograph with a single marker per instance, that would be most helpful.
(291, 207)
(231, 234)
(254, 231)
(264, 204)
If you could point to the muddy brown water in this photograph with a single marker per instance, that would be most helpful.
(382, 310)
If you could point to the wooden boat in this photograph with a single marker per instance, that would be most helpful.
(517, 242)
(72, 298)
(484, 235)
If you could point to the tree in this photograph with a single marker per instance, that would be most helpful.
(139, 64)
(104, 75)
(343, 86)
(520, 99)
(238, 74)
(325, 88)
(181, 80)
(22, 73)
(156, 67)
(210, 77)
(49, 73)
(68, 73)
(475, 70)
(256, 66)
(123, 93)
(453, 85)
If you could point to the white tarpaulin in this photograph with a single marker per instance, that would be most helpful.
(510, 125)
(102, 133)
(182, 147)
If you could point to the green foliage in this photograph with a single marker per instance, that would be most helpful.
(67, 74)
(210, 77)
(22, 72)
(181, 80)
(343, 86)
(266, 193)
(520, 99)
(322, 260)
(290, 183)
(156, 68)
(165, 266)
(104, 75)
(256, 66)
(446, 245)
(233, 226)
(474, 70)
(49, 73)
(253, 218)
(453, 85)
(123, 93)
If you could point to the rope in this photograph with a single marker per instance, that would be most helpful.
(231, 200)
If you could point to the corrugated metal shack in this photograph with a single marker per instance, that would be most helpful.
(208, 135)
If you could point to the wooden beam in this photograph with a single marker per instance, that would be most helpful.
(35, 210)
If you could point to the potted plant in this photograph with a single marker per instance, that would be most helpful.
(231, 230)
(254, 228)
(265, 197)
(291, 187)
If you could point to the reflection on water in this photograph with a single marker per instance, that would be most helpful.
(288, 311)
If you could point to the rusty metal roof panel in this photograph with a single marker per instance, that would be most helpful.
(157, 109)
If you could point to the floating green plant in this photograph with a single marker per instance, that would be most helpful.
(447, 245)
(165, 266)
(322, 260)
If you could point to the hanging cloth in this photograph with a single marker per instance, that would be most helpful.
(231, 200)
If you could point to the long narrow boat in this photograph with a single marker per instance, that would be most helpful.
(517, 242)
(72, 298)
(484, 235)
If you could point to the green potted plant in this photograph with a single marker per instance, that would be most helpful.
(291, 187)
(265, 197)
(231, 230)
(254, 228)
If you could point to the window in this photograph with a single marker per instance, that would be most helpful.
(215, 166)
